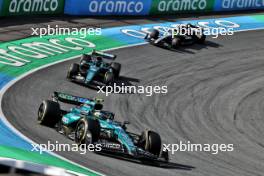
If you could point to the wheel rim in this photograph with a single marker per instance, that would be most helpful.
(41, 112)
(107, 75)
(80, 132)
(68, 74)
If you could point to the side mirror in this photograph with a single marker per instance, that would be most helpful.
(124, 125)
(126, 122)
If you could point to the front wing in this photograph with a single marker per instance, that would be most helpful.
(117, 149)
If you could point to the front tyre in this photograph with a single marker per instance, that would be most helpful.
(116, 68)
(151, 142)
(87, 131)
(165, 155)
(201, 39)
(74, 70)
(175, 43)
(154, 34)
(49, 113)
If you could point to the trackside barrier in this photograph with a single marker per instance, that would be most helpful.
(123, 7)
(156, 7)
(159, 7)
(107, 7)
(230, 5)
(1, 3)
(31, 7)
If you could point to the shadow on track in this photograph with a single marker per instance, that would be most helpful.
(126, 81)
(169, 165)
(121, 81)
(187, 48)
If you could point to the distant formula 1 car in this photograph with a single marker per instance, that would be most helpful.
(93, 69)
(173, 40)
(88, 124)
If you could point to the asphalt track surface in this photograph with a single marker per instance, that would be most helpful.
(215, 95)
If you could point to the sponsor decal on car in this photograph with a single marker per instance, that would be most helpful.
(113, 146)
(72, 98)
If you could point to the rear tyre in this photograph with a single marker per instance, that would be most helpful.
(74, 70)
(201, 39)
(49, 113)
(87, 131)
(152, 142)
(108, 78)
(154, 34)
(116, 68)
(165, 155)
(175, 43)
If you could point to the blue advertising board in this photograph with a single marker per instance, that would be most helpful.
(1, 4)
(229, 5)
(107, 7)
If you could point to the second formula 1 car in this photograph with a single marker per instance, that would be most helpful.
(88, 123)
(93, 69)
(176, 37)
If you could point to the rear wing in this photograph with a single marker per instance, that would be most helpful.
(103, 55)
(75, 100)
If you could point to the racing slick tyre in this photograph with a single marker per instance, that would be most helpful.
(154, 34)
(84, 66)
(116, 68)
(49, 113)
(87, 131)
(74, 70)
(175, 43)
(201, 39)
(108, 78)
(165, 155)
(152, 142)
